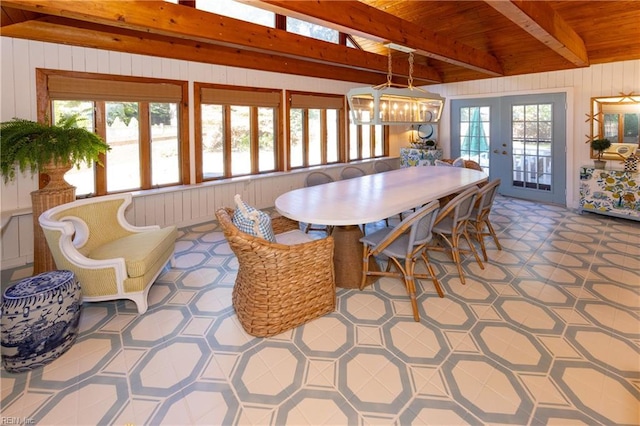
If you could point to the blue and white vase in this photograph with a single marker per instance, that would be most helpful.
(40, 317)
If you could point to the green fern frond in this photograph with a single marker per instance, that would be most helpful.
(27, 145)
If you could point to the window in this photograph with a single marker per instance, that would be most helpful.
(532, 145)
(475, 134)
(237, 131)
(308, 29)
(236, 10)
(141, 120)
(367, 141)
(315, 129)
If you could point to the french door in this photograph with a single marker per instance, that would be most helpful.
(519, 139)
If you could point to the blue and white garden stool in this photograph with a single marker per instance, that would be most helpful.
(40, 318)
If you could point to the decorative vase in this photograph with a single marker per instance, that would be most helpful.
(40, 317)
(599, 164)
(55, 173)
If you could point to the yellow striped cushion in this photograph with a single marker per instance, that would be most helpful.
(140, 251)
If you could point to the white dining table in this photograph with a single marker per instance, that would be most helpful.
(370, 198)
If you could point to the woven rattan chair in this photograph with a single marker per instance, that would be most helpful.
(279, 287)
(404, 245)
(451, 225)
(313, 179)
(479, 219)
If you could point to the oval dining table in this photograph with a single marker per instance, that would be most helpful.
(345, 204)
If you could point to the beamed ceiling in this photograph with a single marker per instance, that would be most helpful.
(453, 40)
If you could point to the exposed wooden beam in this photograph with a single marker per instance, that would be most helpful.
(167, 19)
(9, 16)
(361, 19)
(77, 33)
(542, 22)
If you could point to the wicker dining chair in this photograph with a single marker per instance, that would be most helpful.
(313, 179)
(468, 164)
(451, 225)
(351, 172)
(404, 245)
(279, 287)
(381, 167)
(479, 219)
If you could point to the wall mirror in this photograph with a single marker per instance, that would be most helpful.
(616, 118)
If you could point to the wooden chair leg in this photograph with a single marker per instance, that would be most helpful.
(480, 237)
(411, 287)
(472, 248)
(493, 234)
(434, 278)
(365, 265)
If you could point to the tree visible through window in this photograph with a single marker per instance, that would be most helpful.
(139, 118)
(236, 131)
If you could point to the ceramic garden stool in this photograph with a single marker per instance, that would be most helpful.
(40, 318)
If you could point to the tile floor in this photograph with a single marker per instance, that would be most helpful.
(548, 333)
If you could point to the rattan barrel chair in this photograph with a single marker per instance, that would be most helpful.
(278, 286)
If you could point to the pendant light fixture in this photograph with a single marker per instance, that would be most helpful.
(390, 103)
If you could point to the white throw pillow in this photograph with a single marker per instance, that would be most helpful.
(252, 221)
(458, 162)
(293, 237)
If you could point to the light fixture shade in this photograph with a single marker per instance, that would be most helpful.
(389, 105)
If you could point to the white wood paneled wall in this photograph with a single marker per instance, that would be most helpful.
(20, 58)
(197, 203)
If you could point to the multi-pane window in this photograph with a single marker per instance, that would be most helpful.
(475, 134)
(367, 141)
(237, 10)
(236, 131)
(315, 123)
(532, 137)
(140, 119)
(308, 29)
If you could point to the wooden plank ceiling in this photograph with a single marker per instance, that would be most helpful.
(453, 40)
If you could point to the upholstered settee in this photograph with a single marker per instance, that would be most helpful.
(111, 258)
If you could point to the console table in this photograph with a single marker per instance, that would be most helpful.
(419, 157)
(610, 192)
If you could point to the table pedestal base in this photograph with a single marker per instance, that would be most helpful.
(347, 257)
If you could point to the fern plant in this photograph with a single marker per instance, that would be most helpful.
(26, 144)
